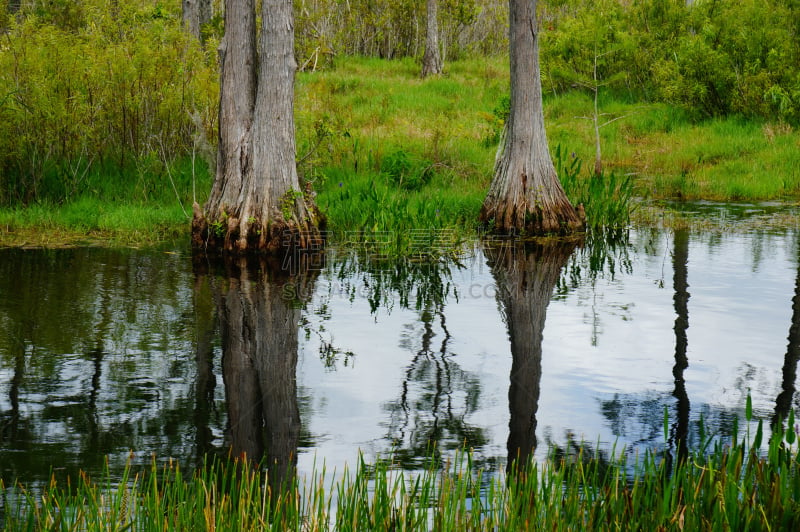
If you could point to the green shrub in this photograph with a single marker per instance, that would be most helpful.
(128, 86)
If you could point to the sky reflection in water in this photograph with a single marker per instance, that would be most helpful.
(103, 351)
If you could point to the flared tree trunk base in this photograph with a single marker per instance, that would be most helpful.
(511, 217)
(250, 234)
(525, 196)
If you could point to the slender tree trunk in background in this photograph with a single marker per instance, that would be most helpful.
(431, 61)
(525, 276)
(598, 156)
(196, 13)
(525, 193)
(257, 202)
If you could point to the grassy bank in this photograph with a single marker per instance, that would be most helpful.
(131, 207)
(388, 151)
(734, 487)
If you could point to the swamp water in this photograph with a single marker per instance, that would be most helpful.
(120, 355)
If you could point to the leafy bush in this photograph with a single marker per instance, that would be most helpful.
(112, 88)
(393, 29)
(713, 58)
(497, 120)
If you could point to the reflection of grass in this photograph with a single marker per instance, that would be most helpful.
(731, 488)
(665, 215)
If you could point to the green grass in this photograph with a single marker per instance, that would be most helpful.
(354, 117)
(91, 221)
(373, 108)
(135, 207)
(735, 486)
(669, 156)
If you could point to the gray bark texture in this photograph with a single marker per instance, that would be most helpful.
(525, 194)
(525, 275)
(257, 203)
(196, 13)
(432, 60)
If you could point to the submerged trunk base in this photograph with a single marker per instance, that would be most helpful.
(229, 235)
(500, 218)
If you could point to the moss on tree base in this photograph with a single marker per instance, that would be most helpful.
(229, 235)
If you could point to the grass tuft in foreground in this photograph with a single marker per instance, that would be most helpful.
(737, 486)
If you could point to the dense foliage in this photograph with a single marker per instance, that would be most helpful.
(98, 87)
(396, 28)
(714, 57)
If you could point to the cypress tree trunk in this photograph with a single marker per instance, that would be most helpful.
(431, 61)
(194, 14)
(257, 202)
(525, 194)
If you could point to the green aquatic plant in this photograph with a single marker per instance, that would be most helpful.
(734, 486)
(606, 198)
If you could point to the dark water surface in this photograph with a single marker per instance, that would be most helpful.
(107, 352)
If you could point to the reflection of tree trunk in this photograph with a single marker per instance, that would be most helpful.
(680, 259)
(204, 358)
(429, 415)
(259, 322)
(9, 429)
(525, 277)
(434, 434)
(784, 401)
(238, 311)
(97, 354)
